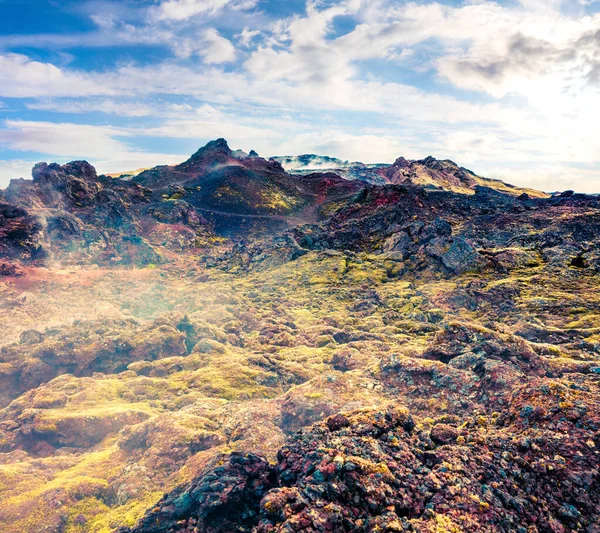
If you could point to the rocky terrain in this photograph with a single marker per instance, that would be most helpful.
(226, 346)
(428, 172)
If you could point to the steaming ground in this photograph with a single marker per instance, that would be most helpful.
(57, 296)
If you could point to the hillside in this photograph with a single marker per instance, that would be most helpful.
(429, 172)
(224, 346)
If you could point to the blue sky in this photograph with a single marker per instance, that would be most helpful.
(509, 89)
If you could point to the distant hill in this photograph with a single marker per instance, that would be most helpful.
(444, 174)
(128, 173)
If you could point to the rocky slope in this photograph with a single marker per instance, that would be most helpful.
(69, 213)
(246, 193)
(394, 357)
(375, 470)
(447, 175)
(429, 172)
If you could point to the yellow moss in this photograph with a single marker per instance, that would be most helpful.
(270, 507)
(444, 524)
(46, 426)
(277, 200)
(87, 478)
(503, 187)
(80, 514)
(313, 395)
(228, 193)
(231, 380)
(107, 519)
(369, 467)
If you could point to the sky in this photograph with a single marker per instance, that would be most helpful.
(509, 89)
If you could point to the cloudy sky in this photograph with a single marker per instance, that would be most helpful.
(510, 89)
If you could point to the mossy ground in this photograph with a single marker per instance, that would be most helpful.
(264, 354)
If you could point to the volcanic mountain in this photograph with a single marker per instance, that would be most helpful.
(218, 180)
(69, 212)
(225, 345)
(429, 172)
(216, 192)
(447, 175)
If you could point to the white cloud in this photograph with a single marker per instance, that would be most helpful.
(109, 34)
(65, 142)
(246, 36)
(550, 177)
(545, 5)
(68, 140)
(213, 84)
(79, 106)
(132, 160)
(234, 132)
(216, 48)
(176, 10)
(368, 148)
(14, 168)
(545, 52)
(21, 77)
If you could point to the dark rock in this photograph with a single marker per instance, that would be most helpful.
(372, 476)
(337, 422)
(225, 499)
(444, 434)
(10, 270)
(462, 257)
(31, 336)
(579, 261)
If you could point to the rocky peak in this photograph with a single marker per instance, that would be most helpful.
(217, 146)
(429, 161)
(214, 152)
(56, 174)
(401, 162)
(437, 164)
(77, 182)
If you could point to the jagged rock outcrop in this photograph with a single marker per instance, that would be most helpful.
(376, 471)
(69, 213)
(226, 498)
(21, 234)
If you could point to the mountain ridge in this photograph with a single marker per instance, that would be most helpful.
(215, 192)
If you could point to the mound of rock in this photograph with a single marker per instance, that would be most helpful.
(380, 471)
